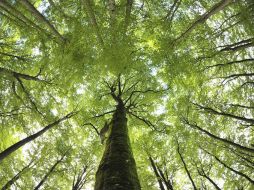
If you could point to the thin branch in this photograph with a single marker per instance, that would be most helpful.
(238, 45)
(105, 113)
(147, 122)
(96, 130)
(219, 138)
(230, 168)
(208, 109)
(229, 63)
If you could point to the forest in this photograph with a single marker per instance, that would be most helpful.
(126, 94)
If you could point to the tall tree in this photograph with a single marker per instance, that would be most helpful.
(142, 74)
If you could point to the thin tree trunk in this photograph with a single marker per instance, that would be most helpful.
(231, 169)
(49, 172)
(221, 139)
(212, 182)
(39, 16)
(203, 174)
(216, 8)
(185, 167)
(17, 14)
(15, 178)
(211, 110)
(166, 180)
(117, 170)
(127, 14)
(30, 138)
(80, 180)
(156, 173)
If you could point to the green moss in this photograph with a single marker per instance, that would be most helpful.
(117, 169)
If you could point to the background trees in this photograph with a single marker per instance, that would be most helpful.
(56, 55)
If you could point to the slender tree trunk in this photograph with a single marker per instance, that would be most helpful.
(117, 170)
(202, 173)
(156, 173)
(215, 9)
(185, 167)
(40, 17)
(221, 139)
(17, 14)
(212, 182)
(15, 178)
(30, 138)
(167, 182)
(230, 168)
(235, 171)
(49, 172)
(80, 180)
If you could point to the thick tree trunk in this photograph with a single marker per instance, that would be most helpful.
(117, 170)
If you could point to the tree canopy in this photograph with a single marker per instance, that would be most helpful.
(182, 70)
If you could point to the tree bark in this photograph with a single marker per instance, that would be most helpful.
(221, 139)
(215, 9)
(156, 173)
(211, 110)
(17, 14)
(231, 169)
(15, 178)
(30, 138)
(185, 167)
(117, 170)
(49, 172)
(39, 16)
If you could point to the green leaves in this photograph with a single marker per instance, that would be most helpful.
(169, 75)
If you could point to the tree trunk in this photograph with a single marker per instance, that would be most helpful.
(185, 167)
(17, 14)
(156, 173)
(39, 16)
(30, 138)
(117, 170)
(15, 178)
(49, 172)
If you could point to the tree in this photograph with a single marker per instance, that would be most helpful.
(143, 94)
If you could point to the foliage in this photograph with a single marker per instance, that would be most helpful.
(192, 60)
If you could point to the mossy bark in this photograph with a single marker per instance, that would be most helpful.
(117, 170)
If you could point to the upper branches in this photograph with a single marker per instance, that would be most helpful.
(215, 9)
(93, 20)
